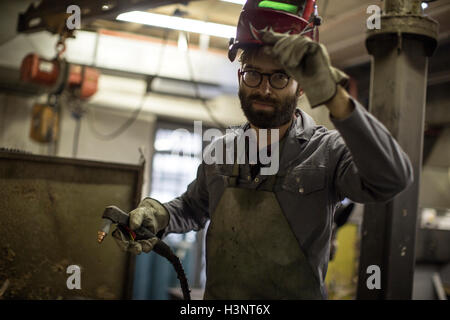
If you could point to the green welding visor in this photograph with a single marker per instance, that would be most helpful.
(280, 6)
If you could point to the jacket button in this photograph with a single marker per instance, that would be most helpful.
(301, 190)
(256, 180)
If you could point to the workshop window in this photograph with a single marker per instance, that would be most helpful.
(176, 158)
(177, 154)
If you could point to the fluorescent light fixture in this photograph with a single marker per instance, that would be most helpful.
(177, 23)
(242, 2)
(424, 5)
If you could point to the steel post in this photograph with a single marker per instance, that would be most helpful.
(400, 50)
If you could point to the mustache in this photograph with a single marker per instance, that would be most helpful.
(263, 98)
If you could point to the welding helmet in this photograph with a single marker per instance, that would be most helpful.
(282, 16)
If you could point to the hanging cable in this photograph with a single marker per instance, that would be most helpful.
(197, 90)
(121, 129)
(72, 103)
(129, 122)
(76, 137)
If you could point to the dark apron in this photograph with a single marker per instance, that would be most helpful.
(251, 251)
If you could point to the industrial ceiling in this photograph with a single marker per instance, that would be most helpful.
(343, 30)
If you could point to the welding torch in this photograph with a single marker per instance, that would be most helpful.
(114, 215)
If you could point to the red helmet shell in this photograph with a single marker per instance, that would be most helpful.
(254, 20)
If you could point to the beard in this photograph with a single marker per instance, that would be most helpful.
(280, 114)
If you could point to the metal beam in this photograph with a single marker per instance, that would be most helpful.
(51, 15)
(400, 51)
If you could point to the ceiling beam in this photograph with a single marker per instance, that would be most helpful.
(51, 15)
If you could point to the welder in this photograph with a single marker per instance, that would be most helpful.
(269, 234)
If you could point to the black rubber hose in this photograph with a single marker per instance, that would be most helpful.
(164, 250)
(113, 214)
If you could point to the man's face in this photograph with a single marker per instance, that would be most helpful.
(264, 106)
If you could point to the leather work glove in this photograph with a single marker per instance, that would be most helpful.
(151, 214)
(307, 62)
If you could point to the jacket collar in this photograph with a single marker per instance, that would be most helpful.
(299, 134)
(303, 127)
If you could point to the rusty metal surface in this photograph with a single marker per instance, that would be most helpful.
(398, 101)
(404, 17)
(397, 98)
(404, 7)
(50, 210)
(414, 26)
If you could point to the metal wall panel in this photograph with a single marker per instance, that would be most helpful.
(50, 211)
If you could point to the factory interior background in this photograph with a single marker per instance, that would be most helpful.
(133, 135)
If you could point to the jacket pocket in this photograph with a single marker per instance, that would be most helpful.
(305, 180)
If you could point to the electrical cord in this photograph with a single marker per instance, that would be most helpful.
(196, 88)
(129, 122)
(136, 113)
(76, 137)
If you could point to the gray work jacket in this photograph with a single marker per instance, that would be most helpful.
(318, 168)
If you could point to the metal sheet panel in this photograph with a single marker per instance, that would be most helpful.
(50, 211)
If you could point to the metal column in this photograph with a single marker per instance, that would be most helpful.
(400, 50)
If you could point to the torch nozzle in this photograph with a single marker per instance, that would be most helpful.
(100, 236)
(104, 229)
